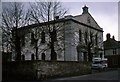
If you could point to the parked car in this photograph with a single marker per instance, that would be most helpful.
(99, 63)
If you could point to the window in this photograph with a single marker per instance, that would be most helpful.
(23, 40)
(54, 35)
(32, 57)
(53, 55)
(101, 55)
(96, 39)
(91, 37)
(32, 38)
(86, 37)
(43, 56)
(114, 51)
(80, 36)
(42, 37)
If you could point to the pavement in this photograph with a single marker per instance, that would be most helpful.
(109, 75)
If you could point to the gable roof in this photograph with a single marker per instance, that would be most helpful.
(88, 20)
(111, 43)
(79, 19)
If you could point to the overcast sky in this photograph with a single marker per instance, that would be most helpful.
(105, 14)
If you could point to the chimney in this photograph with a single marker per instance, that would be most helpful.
(108, 36)
(113, 37)
(85, 9)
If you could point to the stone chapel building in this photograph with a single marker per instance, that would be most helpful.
(77, 37)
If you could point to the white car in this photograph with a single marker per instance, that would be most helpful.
(99, 63)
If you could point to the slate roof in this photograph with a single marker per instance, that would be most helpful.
(111, 43)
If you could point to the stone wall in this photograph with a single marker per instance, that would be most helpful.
(113, 61)
(32, 70)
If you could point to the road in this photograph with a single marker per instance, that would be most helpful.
(110, 75)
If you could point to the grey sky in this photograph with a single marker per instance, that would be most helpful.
(105, 14)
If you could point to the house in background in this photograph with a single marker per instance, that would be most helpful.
(76, 39)
(112, 51)
(111, 46)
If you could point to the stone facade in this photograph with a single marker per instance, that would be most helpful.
(29, 48)
(71, 44)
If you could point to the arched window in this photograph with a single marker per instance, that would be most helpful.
(43, 56)
(96, 39)
(32, 57)
(32, 38)
(42, 37)
(91, 37)
(53, 55)
(80, 35)
(23, 40)
(101, 55)
(114, 51)
(86, 37)
(54, 34)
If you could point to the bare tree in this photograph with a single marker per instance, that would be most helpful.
(14, 16)
(46, 12)
(91, 42)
